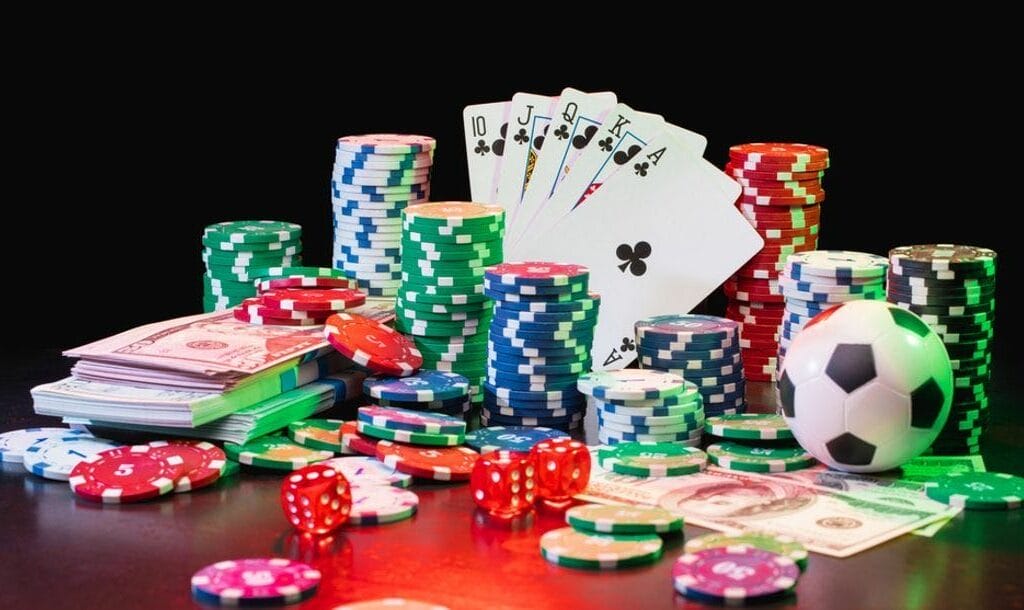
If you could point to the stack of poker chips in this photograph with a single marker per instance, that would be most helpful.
(704, 350)
(539, 344)
(375, 178)
(298, 296)
(646, 406)
(781, 197)
(952, 288)
(436, 391)
(815, 281)
(233, 250)
(441, 303)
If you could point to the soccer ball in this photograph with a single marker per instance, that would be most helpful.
(866, 386)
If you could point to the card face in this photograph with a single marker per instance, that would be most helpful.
(658, 239)
(484, 129)
(622, 135)
(528, 122)
(575, 121)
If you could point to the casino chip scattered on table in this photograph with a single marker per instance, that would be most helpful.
(704, 350)
(643, 405)
(781, 199)
(734, 574)
(815, 281)
(375, 178)
(538, 344)
(952, 288)
(233, 250)
(441, 304)
(255, 582)
(442, 392)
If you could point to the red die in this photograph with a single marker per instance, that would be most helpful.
(504, 483)
(316, 499)
(563, 468)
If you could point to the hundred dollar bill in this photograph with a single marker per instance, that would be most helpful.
(835, 523)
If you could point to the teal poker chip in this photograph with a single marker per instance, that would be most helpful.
(424, 386)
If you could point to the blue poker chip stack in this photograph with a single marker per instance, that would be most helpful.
(538, 345)
(816, 281)
(704, 350)
(376, 177)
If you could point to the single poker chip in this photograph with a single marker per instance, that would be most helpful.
(763, 426)
(535, 273)
(421, 387)
(275, 452)
(613, 411)
(773, 543)
(407, 436)
(317, 433)
(944, 257)
(204, 462)
(772, 175)
(302, 282)
(415, 421)
(55, 457)
(372, 345)
(839, 264)
(685, 328)
(590, 302)
(652, 459)
(778, 152)
(734, 574)
(978, 490)
(255, 582)
(386, 144)
(638, 384)
(102, 477)
(391, 603)
(454, 214)
(688, 396)
(13, 443)
(253, 231)
(437, 463)
(317, 299)
(376, 504)
(362, 471)
(734, 456)
(510, 438)
(609, 519)
(352, 441)
(242, 315)
(575, 549)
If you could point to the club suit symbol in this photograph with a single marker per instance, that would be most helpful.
(640, 169)
(482, 148)
(521, 136)
(633, 257)
(562, 132)
(628, 345)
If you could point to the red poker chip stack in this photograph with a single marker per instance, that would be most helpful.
(292, 305)
(781, 196)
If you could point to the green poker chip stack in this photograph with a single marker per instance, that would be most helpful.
(446, 248)
(748, 426)
(734, 456)
(234, 250)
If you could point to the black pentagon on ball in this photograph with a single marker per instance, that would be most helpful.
(926, 404)
(851, 366)
(850, 449)
(907, 320)
(786, 394)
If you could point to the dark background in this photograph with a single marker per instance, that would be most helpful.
(127, 146)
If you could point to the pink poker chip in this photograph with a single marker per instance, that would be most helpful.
(258, 581)
(315, 299)
(734, 573)
(536, 273)
(416, 421)
(386, 144)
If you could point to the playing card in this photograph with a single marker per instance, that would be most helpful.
(575, 120)
(658, 239)
(528, 121)
(484, 127)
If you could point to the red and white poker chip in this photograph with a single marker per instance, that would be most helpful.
(204, 462)
(126, 474)
(536, 273)
(300, 281)
(373, 345)
(438, 463)
(778, 152)
(316, 299)
(244, 316)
